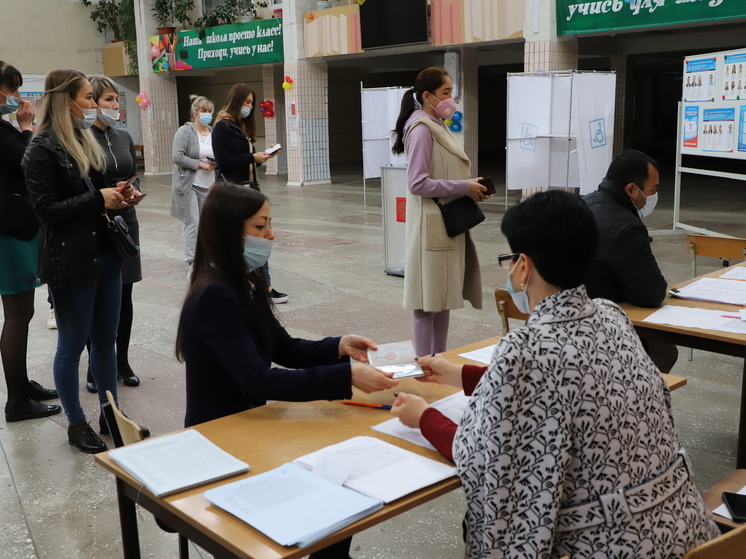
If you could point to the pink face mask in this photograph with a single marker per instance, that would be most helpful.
(445, 109)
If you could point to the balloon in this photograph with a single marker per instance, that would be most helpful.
(142, 105)
(269, 104)
(457, 116)
(448, 121)
(286, 85)
(262, 109)
(154, 51)
(138, 99)
(269, 113)
(456, 127)
(288, 79)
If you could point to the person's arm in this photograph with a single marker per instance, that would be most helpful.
(470, 377)
(12, 147)
(439, 431)
(181, 142)
(419, 154)
(635, 266)
(219, 325)
(229, 160)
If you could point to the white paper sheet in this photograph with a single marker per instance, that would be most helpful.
(714, 290)
(736, 273)
(722, 510)
(698, 318)
(483, 355)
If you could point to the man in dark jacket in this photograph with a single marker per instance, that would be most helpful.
(624, 268)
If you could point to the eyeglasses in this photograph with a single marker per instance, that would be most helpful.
(506, 259)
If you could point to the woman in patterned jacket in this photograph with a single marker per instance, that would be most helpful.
(568, 445)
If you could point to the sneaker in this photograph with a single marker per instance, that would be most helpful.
(277, 297)
(51, 321)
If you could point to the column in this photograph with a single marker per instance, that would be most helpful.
(619, 65)
(275, 126)
(160, 118)
(468, 101)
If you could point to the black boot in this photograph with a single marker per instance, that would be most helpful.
(85, 439)
(31, 409)
(37, 392)
(90, 384)
(103, 427)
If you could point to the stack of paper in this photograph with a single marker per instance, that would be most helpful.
(177, 462)
(698, 318)
(714, 290)
(483, 355)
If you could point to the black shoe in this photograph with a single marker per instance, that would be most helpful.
(129, 378)
(90, 384)
(32, 409)
(277, 297)
(85, 439)
(37, 392)
(103, 427)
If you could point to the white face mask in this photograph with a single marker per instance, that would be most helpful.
(650, 203)
(89, 118)
(108, 116)
(520, 298)
(245, 111)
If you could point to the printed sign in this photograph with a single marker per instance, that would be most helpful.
(734, 77)
(401, 210)
(598, 133)
(717, 130)
(574, 16)
(699, 82)
(742, 131)
(528, 136)
(691, 126)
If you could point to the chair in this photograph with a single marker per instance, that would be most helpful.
(140, 156)
(124, 431)
(731, 545)
(726, 248)
(506, 309)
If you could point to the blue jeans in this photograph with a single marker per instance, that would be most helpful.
(84, 311)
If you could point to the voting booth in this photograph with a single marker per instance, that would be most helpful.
(712, 118)
(560, 129)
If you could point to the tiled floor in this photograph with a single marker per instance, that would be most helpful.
(56, 503)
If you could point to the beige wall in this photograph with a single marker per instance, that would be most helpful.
(37, 36)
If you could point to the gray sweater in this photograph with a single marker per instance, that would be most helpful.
(186, 163)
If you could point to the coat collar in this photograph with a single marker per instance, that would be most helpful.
(563, 306)
(613, 191)
(439, 130)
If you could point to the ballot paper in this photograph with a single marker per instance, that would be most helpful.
(452, 407)
(722, 510)
(738, 273)
(397, 358)
(483, 355)
(714, 290)
(177, 462)
(724, 321)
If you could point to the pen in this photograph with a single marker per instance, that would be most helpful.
(730, 316)
(366, 405)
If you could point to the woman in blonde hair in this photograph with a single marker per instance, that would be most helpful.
(194, 170)
(64, 167)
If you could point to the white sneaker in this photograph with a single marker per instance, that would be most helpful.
(51, 322)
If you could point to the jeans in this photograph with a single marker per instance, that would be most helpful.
(84, 311)
(189, 229)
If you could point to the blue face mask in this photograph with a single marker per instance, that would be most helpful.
(11, 105)
(520, 298)
(245, 111)
(205, 118)
(256, 251)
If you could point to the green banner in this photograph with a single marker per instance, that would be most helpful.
(253, 42)
(613, 15)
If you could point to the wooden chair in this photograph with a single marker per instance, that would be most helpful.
(726, 248)
(124, 431)
(728, 546)
(140, 156)
(506, 309)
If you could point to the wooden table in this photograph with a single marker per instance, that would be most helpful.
(672, 381)
(713, 497)
(265, 438)
(725, 343)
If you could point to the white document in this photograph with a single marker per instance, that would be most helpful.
(177, 462)
(722, 510)
(724, 321)
(291, 505)
(714, 290)
(397, 358)
(452, 407)
(381, 470)
(274, 148)
(736, 273)
(483, 355)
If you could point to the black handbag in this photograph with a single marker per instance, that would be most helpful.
(119, 232)
(460, 215)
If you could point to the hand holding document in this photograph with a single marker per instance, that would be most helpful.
(397, 358)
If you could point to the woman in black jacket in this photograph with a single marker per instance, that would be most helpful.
(233, 140)
(19, 242)
(64, 174)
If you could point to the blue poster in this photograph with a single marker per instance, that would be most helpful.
(742, 130)
(718, 132)
(691, 127)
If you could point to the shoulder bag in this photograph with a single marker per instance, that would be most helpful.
(460, 215)
(118, 232)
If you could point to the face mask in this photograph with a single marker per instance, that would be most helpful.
(520, 298)
(205, 118)
(650, 202)
(445, 108)
(245, 111)
(89, 117)
(108, 116)
(11, 105)
(256, 251)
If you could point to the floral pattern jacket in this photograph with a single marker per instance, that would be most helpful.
(568, 445)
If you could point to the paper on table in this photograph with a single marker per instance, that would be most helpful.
(397, 358)
(291, 505)
(722, 510)
(714, 290)
(483, 355)
(697, 318)
(452, 407)
(383, 471)
(738, 273)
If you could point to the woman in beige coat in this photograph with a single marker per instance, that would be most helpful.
(439, 271)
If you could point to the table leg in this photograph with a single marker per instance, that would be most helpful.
(128, 521)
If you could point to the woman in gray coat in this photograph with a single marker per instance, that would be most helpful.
(194, 170)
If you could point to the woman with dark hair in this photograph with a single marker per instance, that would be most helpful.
(568, 445)
(64, 167)
(441, 271)
(121, 165)
(233, 143)
(19, 244)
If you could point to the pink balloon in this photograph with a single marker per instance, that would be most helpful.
(154, 51)
(142, 105)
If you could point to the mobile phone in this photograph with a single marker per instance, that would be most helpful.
(137, 197)
(736, 504)
(487, 181)
(129, 182)
(211, 159)
(274, 148)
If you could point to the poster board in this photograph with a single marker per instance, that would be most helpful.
(380, 109)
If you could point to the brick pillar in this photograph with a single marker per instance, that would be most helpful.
(306, 106)
(275, 127)
(159, 123)
(619, 65)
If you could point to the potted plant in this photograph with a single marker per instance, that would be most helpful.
(168, 12)
(106, 15)
(230, 11)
